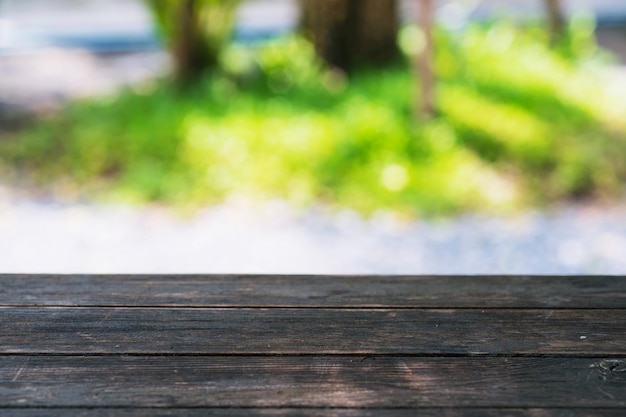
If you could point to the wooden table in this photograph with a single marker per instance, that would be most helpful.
(307, 345)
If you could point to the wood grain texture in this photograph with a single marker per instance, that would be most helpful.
(311, 412)
(311, 381)
(312, 346)
(305, 331)
(314, 291)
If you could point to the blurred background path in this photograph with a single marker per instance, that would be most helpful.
(39, 235)
(51, 51)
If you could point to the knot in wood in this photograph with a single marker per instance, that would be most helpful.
(613, 365)
(610, 370)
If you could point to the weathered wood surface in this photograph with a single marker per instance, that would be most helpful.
(317, 346)
(310, 381)
(317, 331)
(313, 291)
(312, 412)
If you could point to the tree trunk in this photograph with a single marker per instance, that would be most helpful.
(352, 33)
(556, 20)
(195, 32)
(424, 64)
(192, 54)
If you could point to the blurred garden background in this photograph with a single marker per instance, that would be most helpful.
(313, 136)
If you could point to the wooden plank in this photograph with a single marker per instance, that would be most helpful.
(311, 382)
(314, 291)
(311, 412)
(312, 331)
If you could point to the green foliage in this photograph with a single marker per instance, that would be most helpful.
(519, 124)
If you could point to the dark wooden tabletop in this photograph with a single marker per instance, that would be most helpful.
(312, 345)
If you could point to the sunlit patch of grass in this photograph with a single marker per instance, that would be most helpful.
(518, 123)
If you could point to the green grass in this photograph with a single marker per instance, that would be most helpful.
(519, 124)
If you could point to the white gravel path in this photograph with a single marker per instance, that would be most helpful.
(39, 236)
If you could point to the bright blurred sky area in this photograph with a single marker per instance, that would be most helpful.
(126, 24)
